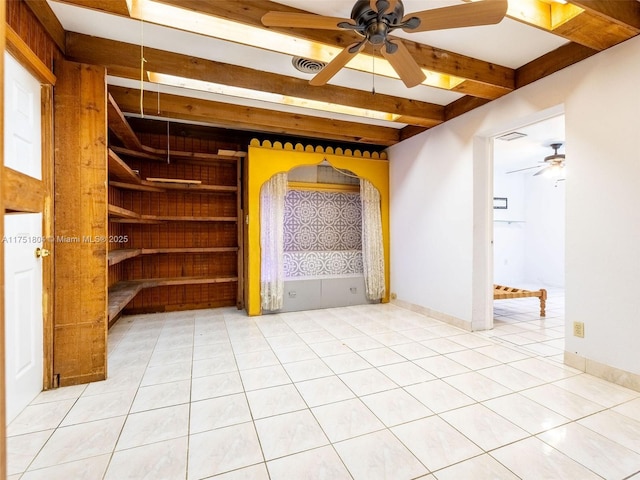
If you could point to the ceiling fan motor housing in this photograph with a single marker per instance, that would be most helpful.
(373, 26)
(556, 157)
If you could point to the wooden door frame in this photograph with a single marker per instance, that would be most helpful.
(41, 191)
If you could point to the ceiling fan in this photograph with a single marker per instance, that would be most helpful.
(376, 19)
(552, 163)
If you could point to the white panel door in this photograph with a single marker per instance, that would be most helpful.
(23, 232)
(22, 119)
(23, 310)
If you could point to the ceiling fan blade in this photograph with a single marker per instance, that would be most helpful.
(545, 169)
(523, 169)
(303, 20)
(404, 64)
(486, 12)
(336, 64)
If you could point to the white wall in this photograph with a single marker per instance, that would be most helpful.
(509, 230)
(544, 231)
(528, 237)
(435, 246)
(431, 222)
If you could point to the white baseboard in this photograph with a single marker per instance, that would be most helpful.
(443, 317)
(600, 370)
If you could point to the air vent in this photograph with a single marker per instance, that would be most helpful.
(307, 65)
(507, 137)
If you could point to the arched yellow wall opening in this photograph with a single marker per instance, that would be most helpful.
(266, 160)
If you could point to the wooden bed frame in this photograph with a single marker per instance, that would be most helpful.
(501, 292)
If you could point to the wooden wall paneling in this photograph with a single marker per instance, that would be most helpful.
(3, 404)
(21, 19)
(183, 297)
(43, 12)
(80, 329)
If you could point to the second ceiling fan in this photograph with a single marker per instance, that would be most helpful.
(376, 19)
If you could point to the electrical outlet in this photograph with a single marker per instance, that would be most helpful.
(393, 296)
(578, 329)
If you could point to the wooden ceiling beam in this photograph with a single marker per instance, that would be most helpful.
(252, 119)
(410, 131)
(463, 105)
(483, 79)
(117, 7)
(123, 60)
(623, 12)
(594, 31)
(552, 62)
(597, 24)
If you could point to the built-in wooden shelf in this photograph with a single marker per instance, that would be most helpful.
(163, 282)
(146, 186)
(117, 256)
(134, 186)
(199, 188)
(127, 178)
(123, 292)
(119, 212)
(122, 171)
(172, 218)
(122, 215)
(148, 153)
(120, 295)
(150, 251)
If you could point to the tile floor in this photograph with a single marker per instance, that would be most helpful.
(365, 393)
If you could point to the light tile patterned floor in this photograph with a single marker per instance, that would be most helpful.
(364, 393)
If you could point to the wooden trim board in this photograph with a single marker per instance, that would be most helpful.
(3, 400)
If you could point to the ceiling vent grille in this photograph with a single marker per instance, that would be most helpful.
(507, 137)
(307, 65)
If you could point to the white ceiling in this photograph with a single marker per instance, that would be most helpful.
(510, 43)
(529, 151)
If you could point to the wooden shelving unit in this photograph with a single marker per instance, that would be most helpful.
(173, 237)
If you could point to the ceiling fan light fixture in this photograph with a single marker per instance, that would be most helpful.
(553, 171)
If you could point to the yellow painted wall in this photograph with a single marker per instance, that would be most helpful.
(266, 160)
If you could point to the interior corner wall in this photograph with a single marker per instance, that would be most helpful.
(264, 161)
(433, 220)
(431, 215)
